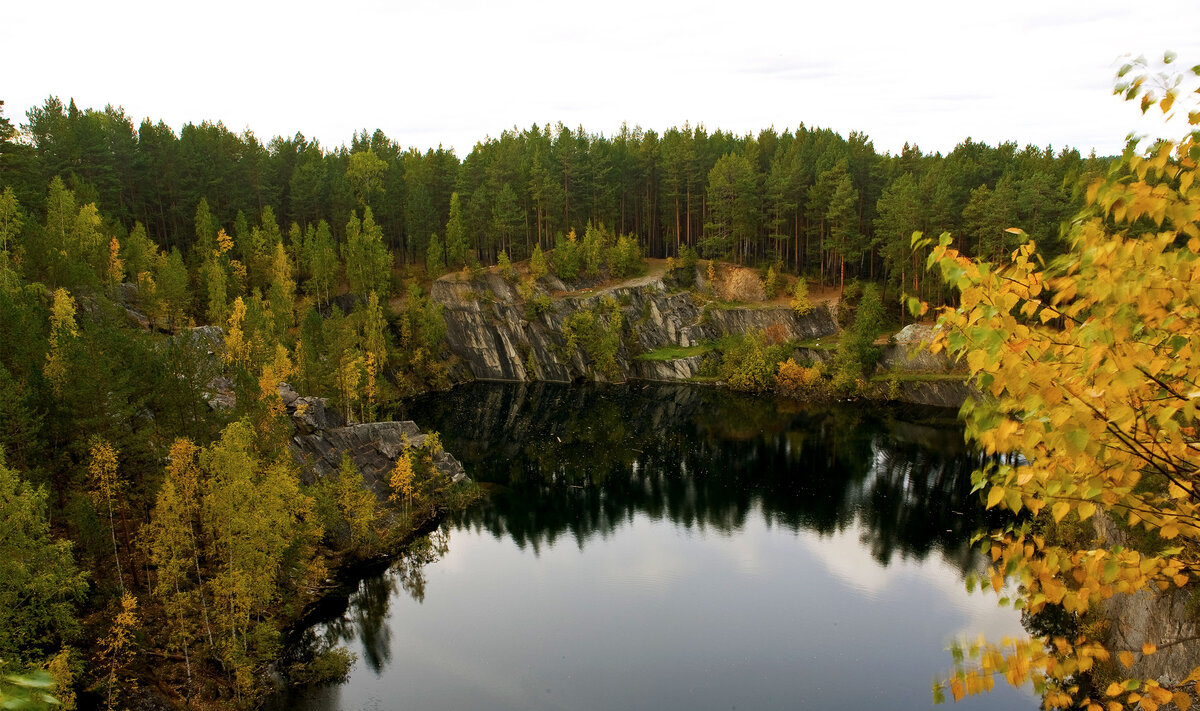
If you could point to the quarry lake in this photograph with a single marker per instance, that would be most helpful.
(677, 547)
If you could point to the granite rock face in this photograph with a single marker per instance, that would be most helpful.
(487, 327)
(910, 353)
(322, 435)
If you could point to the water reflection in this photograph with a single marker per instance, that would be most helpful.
(676, 547)
(584, 460)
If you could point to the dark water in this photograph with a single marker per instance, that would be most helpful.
(676, 547)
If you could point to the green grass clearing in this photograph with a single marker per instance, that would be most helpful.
(676, 352)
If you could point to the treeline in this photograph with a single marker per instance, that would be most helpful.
(825, 205)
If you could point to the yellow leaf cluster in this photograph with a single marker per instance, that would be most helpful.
(1090, 375)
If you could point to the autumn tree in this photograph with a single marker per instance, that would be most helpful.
(1090, 374)
(365, 173)
(250, 509)
(107, 487)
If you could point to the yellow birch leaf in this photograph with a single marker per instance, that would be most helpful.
(1059, 510)
(1149, 649)
(1086, 509)
(1126, 658)
(1114, 689)
(995, 496)
(1182, 700)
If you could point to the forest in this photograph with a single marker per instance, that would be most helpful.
(138, 559)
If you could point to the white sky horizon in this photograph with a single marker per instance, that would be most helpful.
(426, 73)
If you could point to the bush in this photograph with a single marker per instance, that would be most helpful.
(594, 244)
(749, 363)
(688, 258)
(598, 333)
(794, 380)
(848, 304)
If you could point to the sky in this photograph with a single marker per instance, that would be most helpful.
(452, 73)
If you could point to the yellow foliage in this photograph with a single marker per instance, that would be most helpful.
(401, 480)
(1092, 373)
(794, 379)
(116, 267)
(117, 649)
(237, 348)
(224, 242)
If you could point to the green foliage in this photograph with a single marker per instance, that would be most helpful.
(596, 332)
(567, 258)
(365, 173)
(537, 263)
(748, 362)
(625, 258)
(422, 335)
(456, 235)
(504, 264)
(40, 587)
(356, 504)
(856, 353)
(774, 281)
(594, 244)
(368, 264)
(435, 263)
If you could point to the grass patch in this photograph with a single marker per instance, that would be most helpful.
(676, 352)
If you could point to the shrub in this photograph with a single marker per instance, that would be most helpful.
(749, 363)
(793, 379)
(593, 249)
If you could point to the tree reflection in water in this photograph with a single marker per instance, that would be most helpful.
(580, 460)
(365, 616)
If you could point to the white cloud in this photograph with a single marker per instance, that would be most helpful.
(1032, 71)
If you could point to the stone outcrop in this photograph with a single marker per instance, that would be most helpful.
(322, 435)
(1164, 619)
(909, 353)
(487, 327)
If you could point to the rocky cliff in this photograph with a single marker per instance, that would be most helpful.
(322, 435)
(487, 326)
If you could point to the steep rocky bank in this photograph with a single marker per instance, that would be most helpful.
(322, 435)
(490, 329)
(487, 326)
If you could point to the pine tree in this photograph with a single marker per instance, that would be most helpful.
(434, 262)
(456, 235)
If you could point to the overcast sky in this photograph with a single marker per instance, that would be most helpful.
(451, 73)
